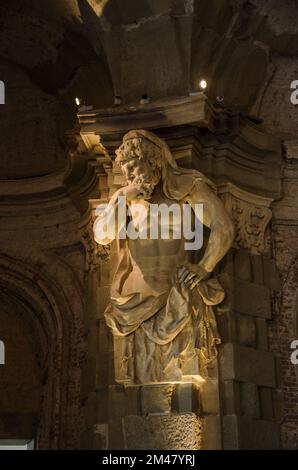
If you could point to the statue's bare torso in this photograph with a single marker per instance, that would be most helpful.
(156, 259)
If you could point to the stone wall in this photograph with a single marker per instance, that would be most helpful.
(285, 319)
(42, 288)
(250, 389)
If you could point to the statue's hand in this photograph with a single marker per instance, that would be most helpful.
(131, 192)
(191, 274)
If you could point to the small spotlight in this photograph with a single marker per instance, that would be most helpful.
(78, 101)
(203, 84)
(117, 100)
(220, 98)
(144, 99)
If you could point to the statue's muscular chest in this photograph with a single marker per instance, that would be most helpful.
(155, 230)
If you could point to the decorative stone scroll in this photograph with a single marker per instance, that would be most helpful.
(251, 215)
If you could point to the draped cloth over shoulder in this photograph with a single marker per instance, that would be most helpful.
(161, 328)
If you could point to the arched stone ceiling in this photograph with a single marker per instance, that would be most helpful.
(46, 60)
(246, 49)
(54, 50)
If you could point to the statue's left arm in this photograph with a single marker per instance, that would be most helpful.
(216, 218)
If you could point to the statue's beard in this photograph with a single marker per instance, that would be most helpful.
(146, 185)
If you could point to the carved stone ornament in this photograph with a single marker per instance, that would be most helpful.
(251, 215)
(95, 253)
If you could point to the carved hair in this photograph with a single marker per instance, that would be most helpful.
(142, 148)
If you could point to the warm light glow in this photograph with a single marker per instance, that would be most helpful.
(78, 102)
(203, 84)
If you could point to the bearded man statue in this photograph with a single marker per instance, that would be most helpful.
(161, 304)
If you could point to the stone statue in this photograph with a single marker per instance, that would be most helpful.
(160, 309)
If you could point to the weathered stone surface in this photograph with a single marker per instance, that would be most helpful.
(262, 333)
(257, 268)
(278, 405)
(186, 398)
(247, 365)
(172, 432)
(90, 409)
(105, 274)
(116, 438)
(258, 434)
(226, 265)
(104, 345)
(227, 324)
(231, 397)
(271, 275)
(230, 432)
(247, 434)
(156, 399)
(247, 333)
(248, 298)
(116, 401)
(252, 299)
(211, 435)
(276, 100)
(209, 395)
(250, 402)
(242, 265)
(101, 436)
(102, 405)
(103, 300)
(19, 424)
(133, 404)
(283, 329)
(88, 377)
(87, 439)
(266, 403)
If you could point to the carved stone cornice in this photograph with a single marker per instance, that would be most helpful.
(161, 113)
(226, 145)
(251, 215)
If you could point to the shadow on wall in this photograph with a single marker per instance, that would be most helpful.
(40, 325)
(22, 371)
(46, 60)
(165, 48)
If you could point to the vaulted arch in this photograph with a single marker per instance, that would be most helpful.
(49, 321)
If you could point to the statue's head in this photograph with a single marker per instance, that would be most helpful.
(140, 160)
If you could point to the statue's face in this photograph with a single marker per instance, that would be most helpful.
(135, 169)
(139, 169)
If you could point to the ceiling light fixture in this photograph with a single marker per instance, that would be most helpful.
(203, 84)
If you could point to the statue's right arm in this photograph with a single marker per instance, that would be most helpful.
(111, 219)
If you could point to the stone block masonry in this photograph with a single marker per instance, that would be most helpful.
(248, 369)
